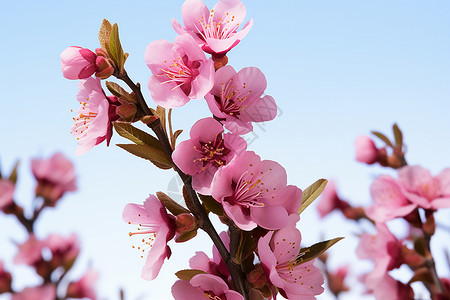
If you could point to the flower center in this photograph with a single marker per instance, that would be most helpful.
(232, 100)
(210, 295)
(220, 29)
(248, 191)
(82, 121)
(213, 152)
(179, 73)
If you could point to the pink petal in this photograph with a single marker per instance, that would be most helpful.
(286, 244)
(235, 213)
(291, 199)
(208, 282)
(205, 130)
(166, 95)
(192, 12)
(156, 256)
(214, 106)
(183, 290)
(444, 179)
(200, 261)
(413, 178)
(262, 110)
(222, 76)
(184, 156)
(203, 82)
(190, 47)
(269, 217)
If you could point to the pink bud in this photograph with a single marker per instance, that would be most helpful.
(78, 63)
(126, 111)
(366, 151)
(104, 68)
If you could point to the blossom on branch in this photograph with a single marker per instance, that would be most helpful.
(237, 99)
(157, 227)
(215, 31)
(180, 71)
(206, 151)
(6, 194)
(78, 63)
(93, 123)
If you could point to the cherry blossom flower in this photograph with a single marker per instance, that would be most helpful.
(389, 200)
(421, 188)
(329, 200)
(45, 292)
(280, 257)
(78, 63)
(254, 192)
(64, 250)
(387, 287)
(207, 150)
(93, 123)
(157, 227)
(237, 99)
(204, 286)
(366, 151)
(83, 288)
(180, 71)
(30, 252)
(6, 193)
(215, 31)
(55, 177)
(336, 280)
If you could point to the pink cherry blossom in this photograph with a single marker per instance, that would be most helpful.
(336, 280)
(157, 227)
(366, 151)
(64, 250)
(215, 31)
(55, 176)
(421, 188)
(78, 63)
(180, 71)
(329, 200)
(389, 200)
(254, 192)
(6, 193)
(236, 98)
(383, 249)
(207, 150)
(280, 256)
(387, 287)
(93, 123)
(83, 288)
(204, 286)
(30, 252)
(45, 292)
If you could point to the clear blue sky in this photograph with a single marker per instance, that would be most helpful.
(337, 69)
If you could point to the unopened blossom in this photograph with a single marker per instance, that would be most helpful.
(83, 288)
(156, 228)
(181, 71)
(204, 286)
(64, 250)
(44, 292)
(78, 63)
(279, 253)
(237, 99)
(425, 190)
(366, 151)
(389, 200)
(336, 280)
(206, 151)
(55, 176)
(252, 192)
(93, 122)
(383, 249)
(6, 193)
(215, 31)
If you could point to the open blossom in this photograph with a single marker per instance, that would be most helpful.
(389, 200)
(83, 288)
(421, 188)
(64, 250)
(93, 123)
(30, 252)
(254, 192)
(204, 286)
(180, 71)
(329, 200)
(6, 193)
(207, 150)
(216, 31)
(236, 98)
(78, 63)
(157, 228)
(280, 256)
(387, 287)
(55, 176)
(366, 151)
(45, 292)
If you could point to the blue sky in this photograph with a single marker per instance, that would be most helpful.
(337, 69)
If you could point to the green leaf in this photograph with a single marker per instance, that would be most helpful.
(104, 35)
(157, 157)
(13, 176)
(128, 131)
(118, 91)
(310, 253)
(311, 193)
(175, 208)
(188, 274)
(398, 136)
(247, 246)
(211, 205)
(116, 51)
(383, 138)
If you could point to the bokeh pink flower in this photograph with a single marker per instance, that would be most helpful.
(215, 31)
(181, 71)
(6, 194)
(366, 151)
(84, 287)
(236, 98)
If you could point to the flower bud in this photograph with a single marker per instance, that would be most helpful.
(127, 111)
(256, 277)
(104, 68)
(186, 227)
(366, 151)
(78, 63)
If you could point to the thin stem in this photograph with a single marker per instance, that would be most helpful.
(429, 262)
(197, 209)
